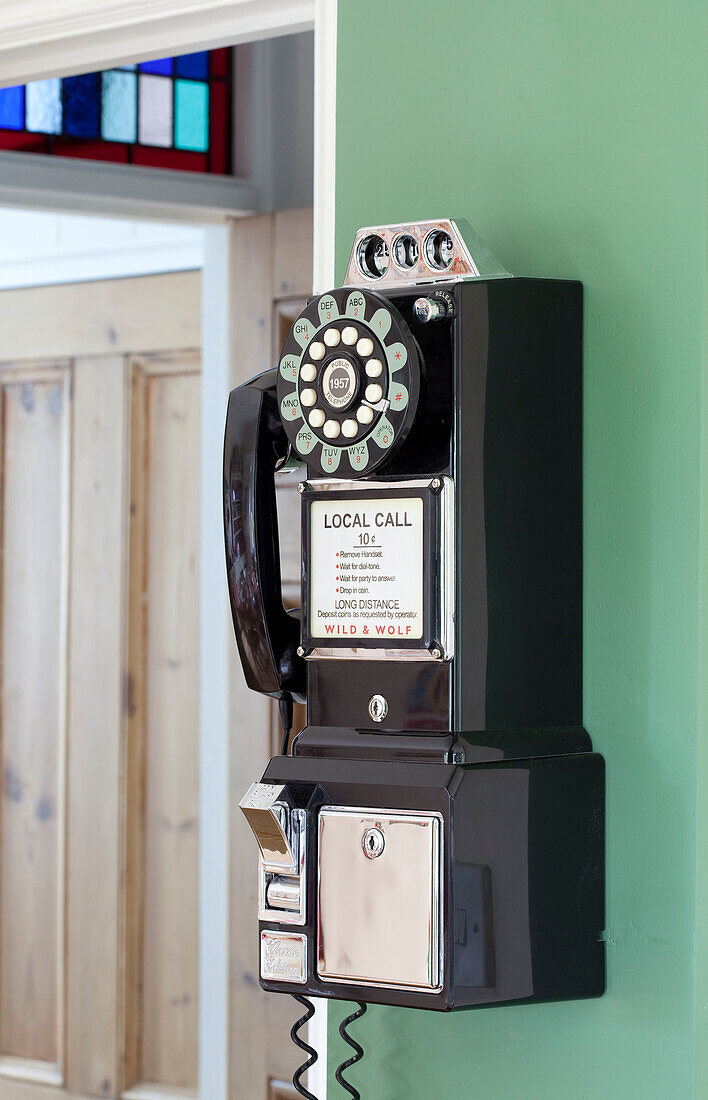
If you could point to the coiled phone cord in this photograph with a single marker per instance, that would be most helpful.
(310, 1051)
(356, 1047)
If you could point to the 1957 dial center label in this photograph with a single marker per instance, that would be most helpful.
(366, 568)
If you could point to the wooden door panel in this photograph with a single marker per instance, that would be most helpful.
(35, 512)
(95, 879)
(170, 948)
(100, 532)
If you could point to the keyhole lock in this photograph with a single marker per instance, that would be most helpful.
(378, 707)
(373, 842)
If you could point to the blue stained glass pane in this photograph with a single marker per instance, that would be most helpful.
(191, 115)
(119, 106)
(12, 108)
(82, 105)
(163, 67)
(43, 106)
(193, 65)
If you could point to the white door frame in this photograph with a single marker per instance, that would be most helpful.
(41, 39)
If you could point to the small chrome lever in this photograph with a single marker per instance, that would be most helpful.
(263, 808)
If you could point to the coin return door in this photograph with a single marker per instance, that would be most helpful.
(379, 899)
(280, 831)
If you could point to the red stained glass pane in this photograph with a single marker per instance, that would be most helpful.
(220, 62)
(111, 151)
(218, 128)
(176, 159)
(27, 143)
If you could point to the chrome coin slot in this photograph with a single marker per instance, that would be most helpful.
(438, 250)
(405, 251)
(372, 256)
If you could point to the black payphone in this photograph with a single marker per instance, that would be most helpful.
(435, 839)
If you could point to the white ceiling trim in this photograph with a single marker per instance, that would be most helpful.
(44, 38)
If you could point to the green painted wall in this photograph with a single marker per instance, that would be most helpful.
(572, 136)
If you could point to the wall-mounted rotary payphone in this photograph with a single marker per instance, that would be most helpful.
(435, 839)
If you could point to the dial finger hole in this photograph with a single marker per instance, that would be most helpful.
(332, 337)
(331, 429)
(374, 368)
(350, 428)
(317, 350)
(308, 398)
(365, 347)
(349, 335)
(364, 414)
(373, 393)
(316, 418)
(308, 372)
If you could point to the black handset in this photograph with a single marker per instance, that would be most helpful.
(267, 636)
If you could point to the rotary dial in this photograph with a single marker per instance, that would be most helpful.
(348, 382)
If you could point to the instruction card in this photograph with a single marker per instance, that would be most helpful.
(366, 569)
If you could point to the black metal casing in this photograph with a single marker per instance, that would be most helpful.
(523, 893)
(501, 413)
(491, 738)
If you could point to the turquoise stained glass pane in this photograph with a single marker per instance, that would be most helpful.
(132, 68)
(191, 115)
(119, 106)
(43, 107)
(12, 108)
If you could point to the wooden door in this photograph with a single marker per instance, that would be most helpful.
(276, 250)
(99, 501)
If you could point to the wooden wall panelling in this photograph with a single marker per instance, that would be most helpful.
(95, 880)
(292, 255)
(170, 975)
(163, 742)
(100, 318)
(36, 418)
(273, 266)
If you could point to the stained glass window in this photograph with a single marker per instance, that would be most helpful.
(169, 113)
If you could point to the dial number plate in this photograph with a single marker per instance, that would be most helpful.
(348, 382)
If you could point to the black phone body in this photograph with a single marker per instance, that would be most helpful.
(444, 785)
